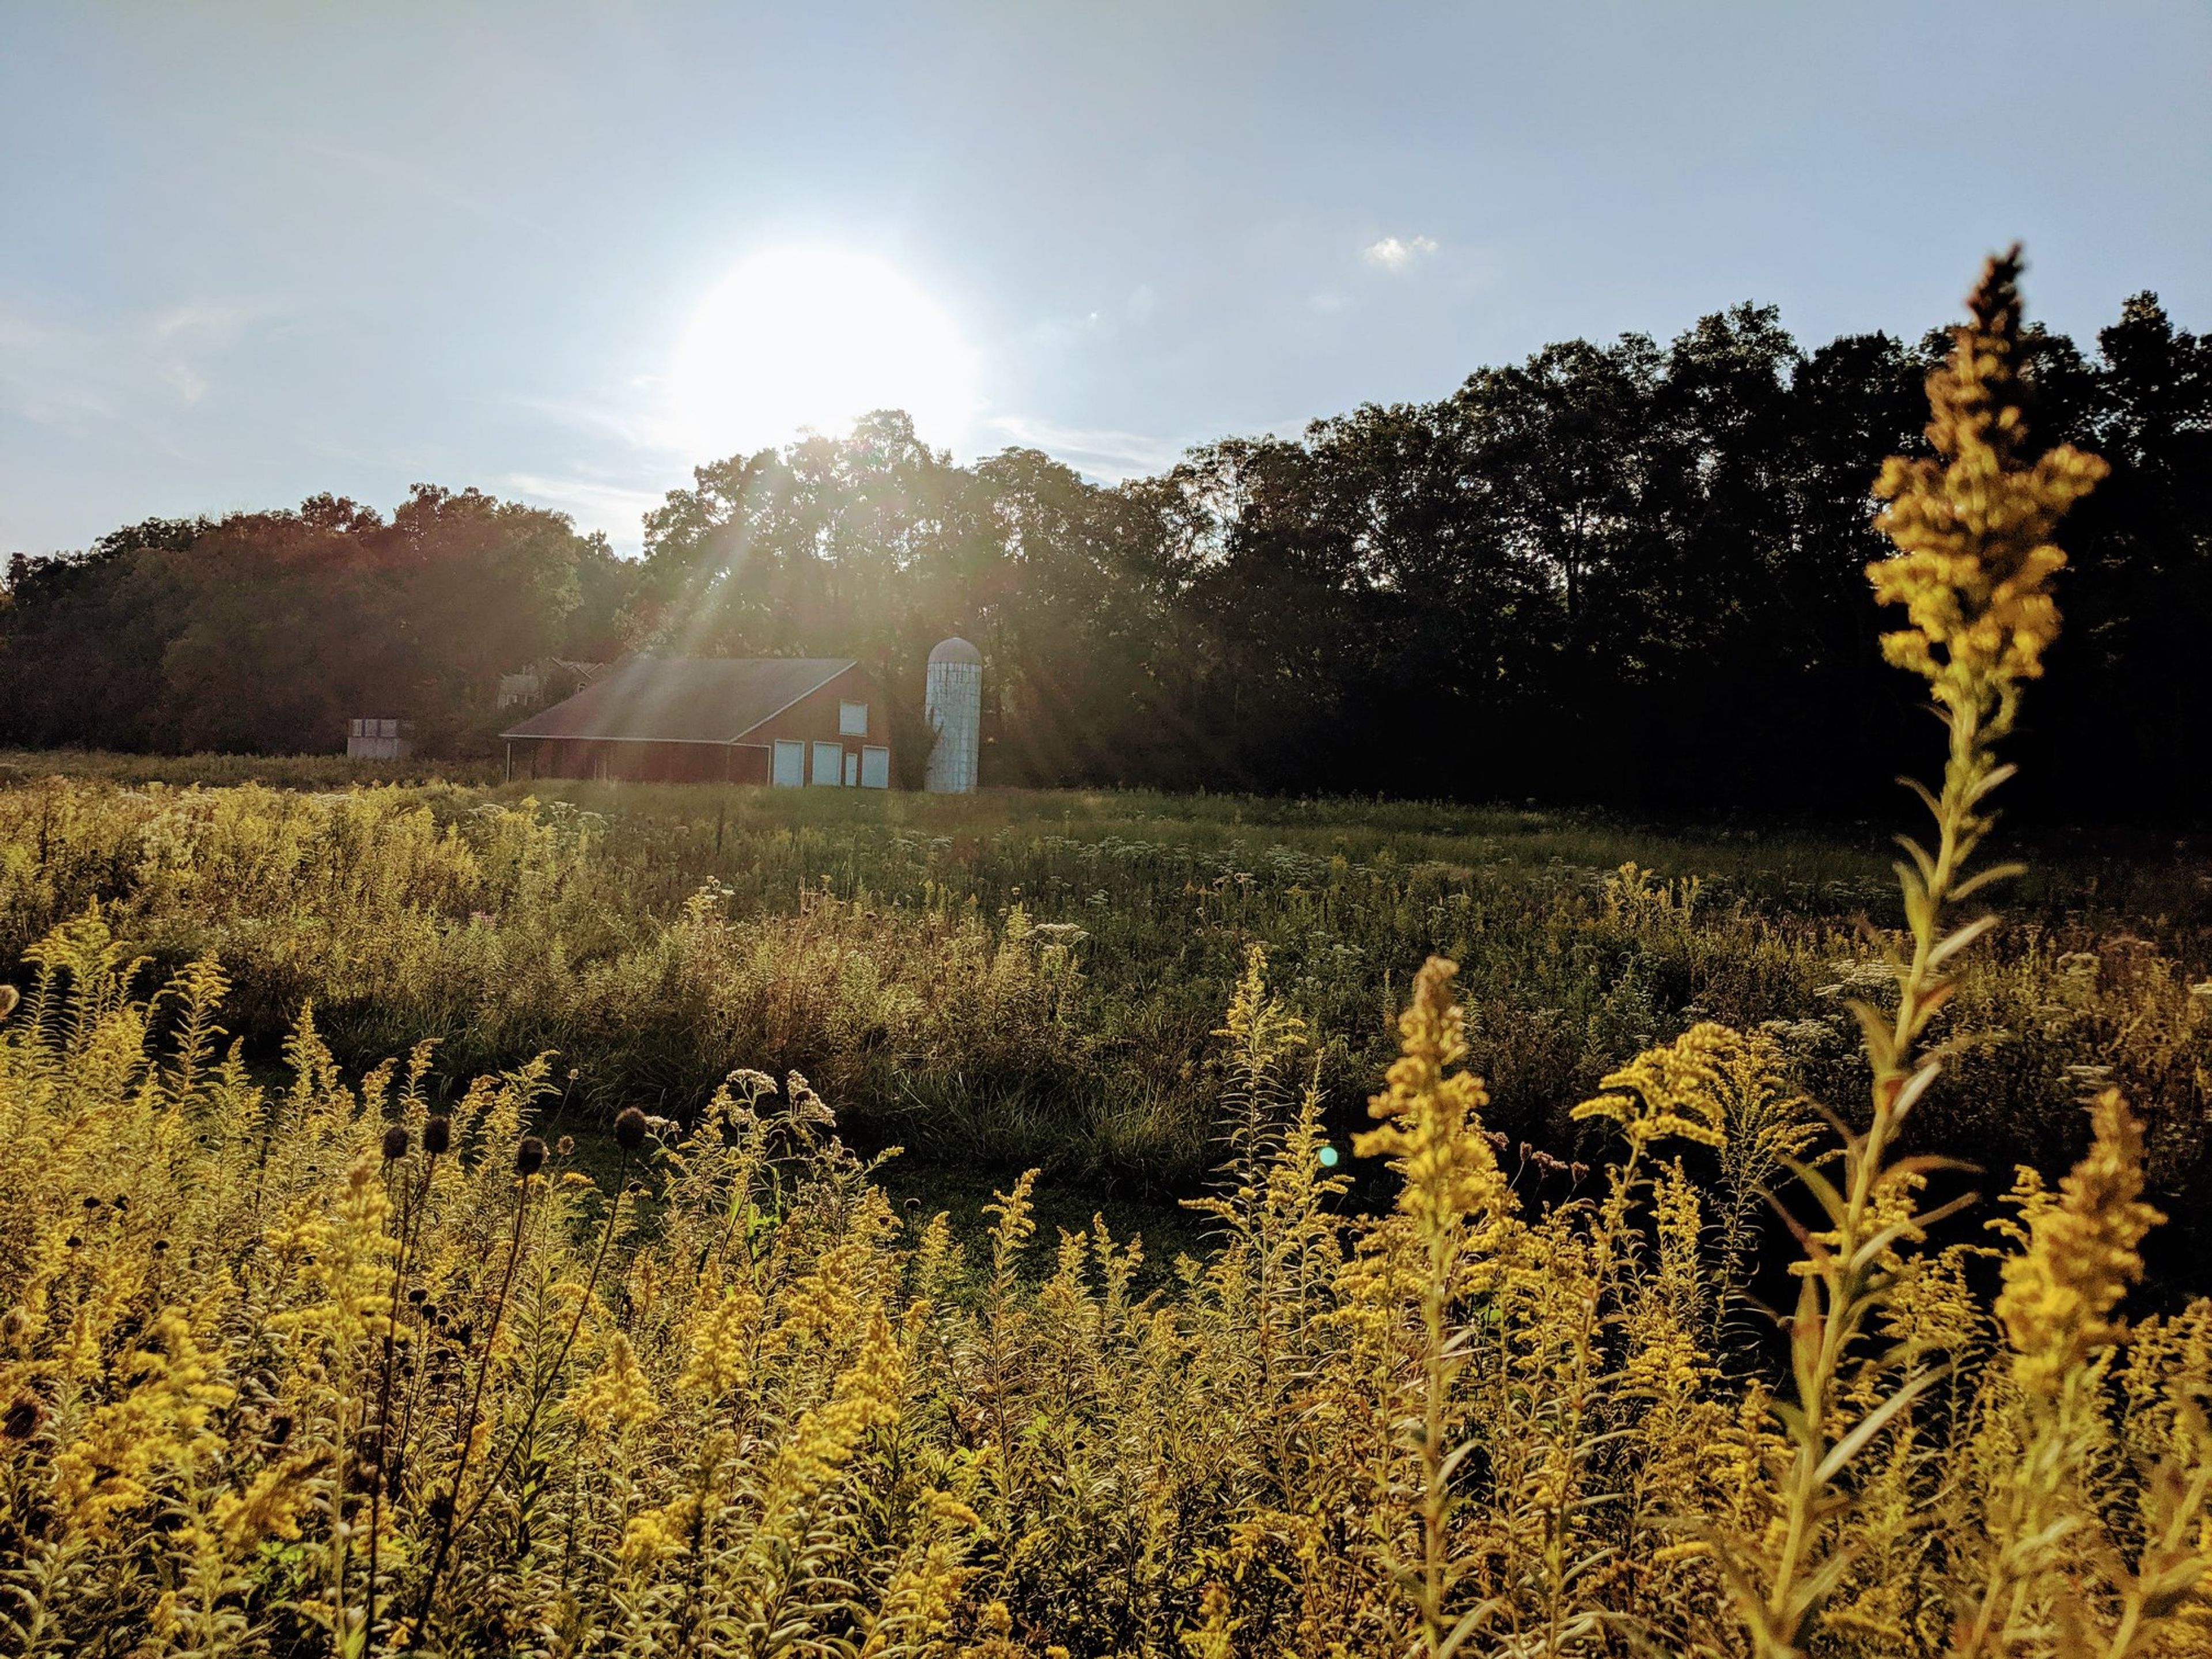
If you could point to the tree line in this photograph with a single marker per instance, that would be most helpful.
(1629, 573)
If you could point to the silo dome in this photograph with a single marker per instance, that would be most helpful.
(956, 650)
(954, 707)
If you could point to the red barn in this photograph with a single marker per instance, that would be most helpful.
(785, 721)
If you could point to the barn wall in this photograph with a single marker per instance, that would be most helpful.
(813, 718)
(641, 762)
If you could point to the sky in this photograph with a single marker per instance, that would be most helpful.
(565, 253)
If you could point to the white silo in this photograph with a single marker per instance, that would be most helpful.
(954, 705)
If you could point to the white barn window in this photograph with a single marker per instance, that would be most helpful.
(852, 720)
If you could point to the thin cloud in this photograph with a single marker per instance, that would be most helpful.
(1394, 253)
(1101, 453)
(72, 368)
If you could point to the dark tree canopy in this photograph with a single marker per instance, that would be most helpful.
(1627, 572)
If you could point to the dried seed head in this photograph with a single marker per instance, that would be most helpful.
(438, 1135)
(629, 1129)
(565, 1148)
(395, 1143)
(10, 996)
(529, 1156)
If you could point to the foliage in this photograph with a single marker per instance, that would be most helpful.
(1567, 565)
(318, 1369)
(268, 631)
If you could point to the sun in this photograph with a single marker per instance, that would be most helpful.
(815, 337)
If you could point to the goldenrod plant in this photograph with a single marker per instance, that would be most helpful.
(338, 1362)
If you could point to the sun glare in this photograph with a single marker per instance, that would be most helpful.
(810, 338)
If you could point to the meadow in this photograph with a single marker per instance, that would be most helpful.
(438, 1218)
(1035, 977)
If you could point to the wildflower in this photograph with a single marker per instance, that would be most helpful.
(629, 1129)
(395, 1143)
(824, 1440)
(159, 1425)
(2059, 1293)
(1215, 1637)
(618, 1395)
(1973, 527)
(720, 1345)
(654, 1533)
(1431, 1114)
(1678, 1090)
(437, 1135)
(270, 1506)
(529, 1156)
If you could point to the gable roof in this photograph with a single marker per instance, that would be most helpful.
(682, 699)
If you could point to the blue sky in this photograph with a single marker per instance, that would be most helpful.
(251, 252)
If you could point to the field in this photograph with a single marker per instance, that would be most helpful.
(1036, 978)
(996, 983)
(437, 1218)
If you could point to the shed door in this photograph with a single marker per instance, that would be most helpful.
(830, 763)
(790, 766)
(875, 769)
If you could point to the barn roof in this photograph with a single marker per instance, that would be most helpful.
(682, 699)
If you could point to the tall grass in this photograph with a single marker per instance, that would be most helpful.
(1035, 978)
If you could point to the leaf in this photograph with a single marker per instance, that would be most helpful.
(1875, 1029)
(1819, 1185)
(1871, 1423)
(1994, 776)
(1982, 878)
(1960, 939)
(1914, 1086)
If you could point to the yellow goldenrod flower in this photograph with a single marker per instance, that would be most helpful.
(1678, 1090)
(1973, 526)
(1431, 1125)
(721, 1340)
(2059, 1293)
(618, 1395)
